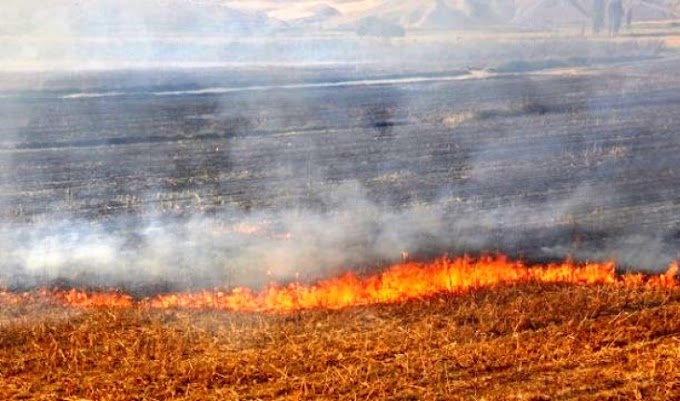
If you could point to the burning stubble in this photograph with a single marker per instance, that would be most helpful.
(400, 283)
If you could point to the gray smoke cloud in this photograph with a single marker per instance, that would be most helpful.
(258, 247)
(232, 248)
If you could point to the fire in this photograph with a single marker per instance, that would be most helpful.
(401, 282)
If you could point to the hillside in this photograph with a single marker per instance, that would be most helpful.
(462, 14)
(437, 14)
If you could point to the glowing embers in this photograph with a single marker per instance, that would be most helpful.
(396, 284)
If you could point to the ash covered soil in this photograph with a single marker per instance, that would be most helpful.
(542, 164)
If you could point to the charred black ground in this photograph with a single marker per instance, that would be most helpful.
(539, 165)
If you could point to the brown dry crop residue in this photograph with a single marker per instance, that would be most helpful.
(529, 341)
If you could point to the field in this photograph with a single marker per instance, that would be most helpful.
(524, 342)
(537, 164)
(149, 182)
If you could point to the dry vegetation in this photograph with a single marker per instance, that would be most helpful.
(513, 342)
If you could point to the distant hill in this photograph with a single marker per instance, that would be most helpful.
(435, 14)
(462, 14)
(316, 16)
(547, 14)
(370, 17)
(441, 14)
(551, 13)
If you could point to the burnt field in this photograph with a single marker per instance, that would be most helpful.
(541, 165)
(134, 192)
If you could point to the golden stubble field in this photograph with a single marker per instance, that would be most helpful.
(526, 342)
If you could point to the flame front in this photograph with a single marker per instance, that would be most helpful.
(398, 283)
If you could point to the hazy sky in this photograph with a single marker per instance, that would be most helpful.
(68, 17)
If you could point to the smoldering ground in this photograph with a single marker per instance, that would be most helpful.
(209, 177)
(252, 249)
(245, 188)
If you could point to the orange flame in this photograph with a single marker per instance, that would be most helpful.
(401, 282)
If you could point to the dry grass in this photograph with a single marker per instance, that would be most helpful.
(522, 342)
